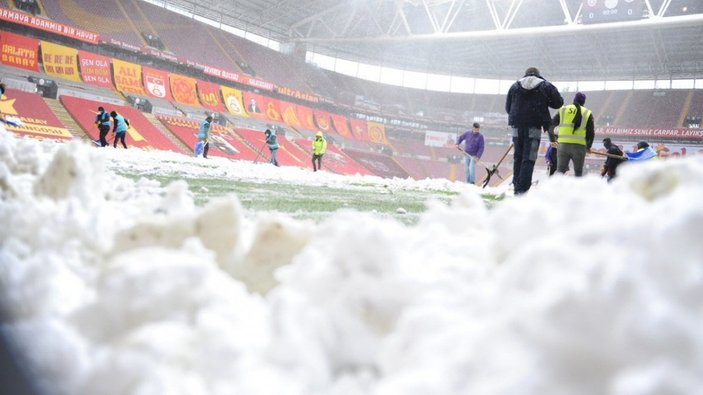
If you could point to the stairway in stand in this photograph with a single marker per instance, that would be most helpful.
(66, 119)
(167, 133)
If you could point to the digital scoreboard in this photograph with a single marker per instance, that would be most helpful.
(604, 11)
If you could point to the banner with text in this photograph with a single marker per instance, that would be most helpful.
(439, 139)
(37, 118)
(19, 51)
(209, 95)
(128, 77)
(60, 61)
(183, 90)
(233, 101)
(25, 19)
(95, 69)
(643, 133)
(156, 83)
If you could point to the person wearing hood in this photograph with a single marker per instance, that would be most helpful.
(576, 134)
(319, 147)
(102, 121)
(643, 152)
(527, 104)
(272, 144)
(204, 131)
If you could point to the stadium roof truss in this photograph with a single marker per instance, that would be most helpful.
(483, 38)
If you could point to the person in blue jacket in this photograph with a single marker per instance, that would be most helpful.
(204, 134)
(121, 125)
(272, 144)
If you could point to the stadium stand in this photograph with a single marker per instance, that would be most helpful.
(289, 154)
(37, 118)
(105, 17)
(382, 165)
(224, 143)
(334, 160)
(142, 133)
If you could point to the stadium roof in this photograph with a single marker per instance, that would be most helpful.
(566, 39)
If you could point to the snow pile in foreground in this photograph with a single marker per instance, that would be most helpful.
(579, 287)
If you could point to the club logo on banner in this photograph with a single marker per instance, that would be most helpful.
(128, 77)
(60, 61)
(183, 90)
(95, 69)
(359, 129)
(376, 132)
(209, 94)
(19, 51)
(233, 101)
(340, 124)
(306, 118)
(322, 120)
(155, 82)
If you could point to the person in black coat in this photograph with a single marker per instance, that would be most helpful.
(611, 164)
(527, 104)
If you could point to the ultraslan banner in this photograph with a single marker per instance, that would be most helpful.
(19, 51)
(95, 69)
(128, 77)
(60, 61)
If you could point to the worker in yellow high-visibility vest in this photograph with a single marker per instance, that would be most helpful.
(576, 134)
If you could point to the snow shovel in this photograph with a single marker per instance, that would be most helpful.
(494, 169)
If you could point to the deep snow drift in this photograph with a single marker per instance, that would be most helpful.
(123, 287)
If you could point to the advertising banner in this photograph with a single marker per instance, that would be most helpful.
(25, 19)
(128, 77)
(95, 69)
(271, 108)
(439, 139)
(60, 61)
(19, 51)
(209, 95)
(644, 133)
(156, 83)
(376, 132)
(183, 90)
(233, 101)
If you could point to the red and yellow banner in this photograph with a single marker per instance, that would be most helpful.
(358, 129)
(233, 101)
(37, 118)
(376, 132)
(128, 77)
(209, 95)
(322, 120)
(183, 90)
(60, 61)
(156, 83)
(289, 114)
(22, 18)
(340, 125)
(306, 118)
(19, 51)
(271, 109)
(95, 69)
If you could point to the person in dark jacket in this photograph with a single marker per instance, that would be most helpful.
(527, 104)
(102, 121)
(611, 164)
(272, 143)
